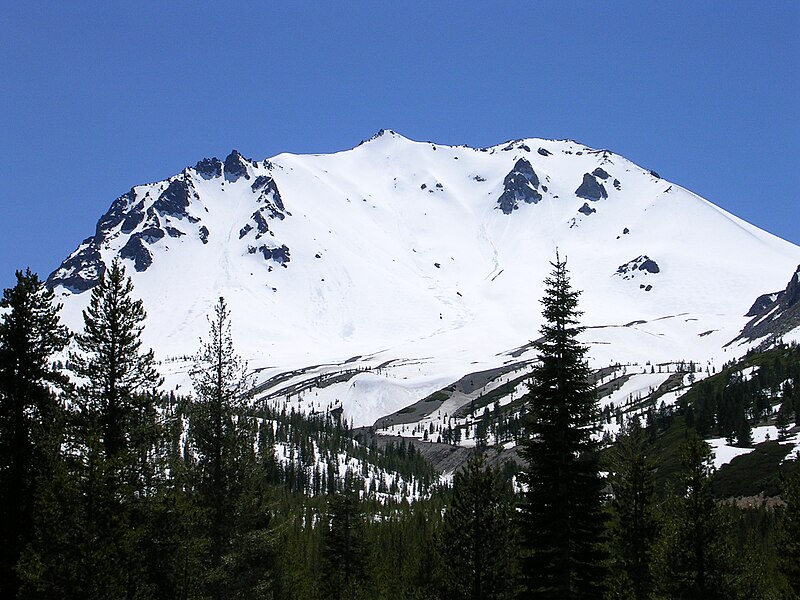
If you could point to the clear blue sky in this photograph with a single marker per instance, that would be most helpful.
(96, 97)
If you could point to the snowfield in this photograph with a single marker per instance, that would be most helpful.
(394, 261)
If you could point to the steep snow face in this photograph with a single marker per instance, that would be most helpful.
(429, 256)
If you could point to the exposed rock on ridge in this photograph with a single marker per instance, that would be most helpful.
(774, 314)
(520, 185)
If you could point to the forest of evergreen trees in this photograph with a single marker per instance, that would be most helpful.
(112, 489)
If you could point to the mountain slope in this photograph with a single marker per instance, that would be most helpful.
(404, 265)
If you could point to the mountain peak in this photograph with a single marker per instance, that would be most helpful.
(384, 134)
(404, 250)
(236, 166)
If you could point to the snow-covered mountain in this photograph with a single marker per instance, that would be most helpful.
(375, 276)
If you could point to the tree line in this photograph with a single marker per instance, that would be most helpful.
(111, 488)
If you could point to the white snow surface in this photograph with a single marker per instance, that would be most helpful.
(439, 280)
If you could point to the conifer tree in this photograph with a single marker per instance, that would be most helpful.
(115, 436)
(229, 480)
(695, 556)
(561, 517)
(478, 538)
(343, 545)
(634, 528)
(30, 334)
(117, 374)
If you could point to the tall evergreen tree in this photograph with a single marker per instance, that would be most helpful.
(634, 527)
(229, 478)
(561, 518)
(478, 537)
(30, 334)
(116, 372)
(115, 435)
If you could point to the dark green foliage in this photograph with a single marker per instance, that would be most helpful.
(478, 537)
(695, 557)
(96, 505)
(634, 526)
(134, 494)
(343, 547)
(562, 516)
(30, 413)
(229, 479)
(115, 370)
(728, 404)
(753, 473)
(789, 537)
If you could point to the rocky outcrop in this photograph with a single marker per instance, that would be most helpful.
(591, 189)
(586, 209)
(235, 167)
(174, 200)
(81, 271)
(270, 197)
(173, 232)
(209, 168)
(116, 214)
(133, 219)
(271, 207)
(774, 314)
(135, 250)
(280, 255)
(763, 303)
(520, 185)
(639, 265)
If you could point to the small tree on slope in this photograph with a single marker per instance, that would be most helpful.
(561, 518)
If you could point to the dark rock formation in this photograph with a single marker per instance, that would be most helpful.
(763, 303)
(272, 208)
(117, 213)
(586, 209)
(150, 235)
(279, 255)
(773, 314)
(235, 167)
(209, 168)
(133, 218)
(135, 250)
(270, 197)
(261, 223)
(81, 271)
(519, 185)
(591, 189)
(176, 233)
(617, 184)
(544, 152)
(649, 265)
(642, 264)
(260, 182)
(601, 173)
(203, 233)
(174, 200)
